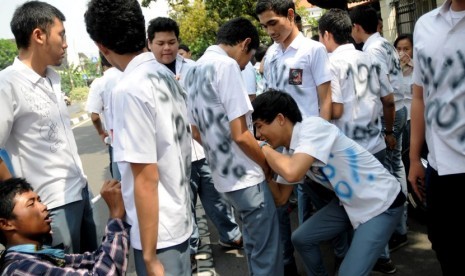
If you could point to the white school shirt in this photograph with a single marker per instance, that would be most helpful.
(182, 66)
(217, 95)
(356, 85)
(150, 127)
(439, 68)
(361, 183)
(98, 100)
(298, 70)
(250, 79)
(35, 130)
(384, 54)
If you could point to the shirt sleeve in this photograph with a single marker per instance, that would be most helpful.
(336, 93)
(7, 104)
(320, 65)
(94, 102)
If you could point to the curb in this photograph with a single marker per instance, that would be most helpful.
(79, 119)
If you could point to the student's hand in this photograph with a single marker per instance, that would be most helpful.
(111, 193)
(155, 267)
(390, 141)
(416, 177)
(103, 136)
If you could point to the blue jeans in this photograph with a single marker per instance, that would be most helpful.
(74, 225)
(368, 240)
(285, 231)
(175, 260)
(260, 229)
(216, 207)
(393, 163)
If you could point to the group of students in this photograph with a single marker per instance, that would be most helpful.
(317, 124)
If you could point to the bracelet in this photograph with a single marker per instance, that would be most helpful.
(263, 143)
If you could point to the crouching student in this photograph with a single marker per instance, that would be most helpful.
(25, 224)
(368, 197)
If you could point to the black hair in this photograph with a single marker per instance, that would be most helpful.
(260, 53)
(32, 15)
(272, 102)
(118, 25)
(8, 190)
(316, 37)
(337, 22)
(280, 7)
(409, 37)
(237, 30)
(184, 47)
(162, 24)
(298, 18)
(366, 17)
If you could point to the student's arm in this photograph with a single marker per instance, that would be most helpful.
(98, 126)
(417, 138)
(324, 100)
(196, 134)
(280, 192)
(337, 110)
(147, 206)
(242, 136)
(4, 172)
(389, 113)
(291, 168)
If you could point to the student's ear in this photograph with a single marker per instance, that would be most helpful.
(281, 119)
(103, 49)
(245, 45)
(5, 225)
(38, 36)
(291, 15)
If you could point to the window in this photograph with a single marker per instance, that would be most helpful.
(408, 11)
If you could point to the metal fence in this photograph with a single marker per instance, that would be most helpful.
(408, 11)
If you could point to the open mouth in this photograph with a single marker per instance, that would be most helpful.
(48, 219)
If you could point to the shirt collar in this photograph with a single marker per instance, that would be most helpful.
(32, 75)
(217, 49)
(295, 137)
(443, 10)
(370, 39)
(344, 47)
(295, 44)
(138, 60)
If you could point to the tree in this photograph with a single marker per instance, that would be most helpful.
(8, 52)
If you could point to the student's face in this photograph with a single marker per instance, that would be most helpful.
(278, 27)
(55, 43)
(184, 54)
(245, 58)
(405, 46)
(356, 33)
(31, 217)
(271, 133)
(165, 47)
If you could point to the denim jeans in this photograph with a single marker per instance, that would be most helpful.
(393, 163)
(75, 225)
(368, 240)
(216, 207)
(260, 229)
(175, 260)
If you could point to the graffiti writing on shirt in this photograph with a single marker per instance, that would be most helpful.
(394, 61)
(442, 111)
(343, 186)
(212, 122)
(42, 104)
(170, 94)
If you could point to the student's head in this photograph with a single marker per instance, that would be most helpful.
(260, 53)
(277, 17)
(184, 51)
(163, 39)
(364, 20)
(274, 113)
(334, 28)
(39, 25)
(379, 27)
(117, 26)
(23, 217)
(242, 35)
(404, 43)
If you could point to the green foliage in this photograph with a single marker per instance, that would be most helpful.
(71, 78)
(79, 93)
(8, 52)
